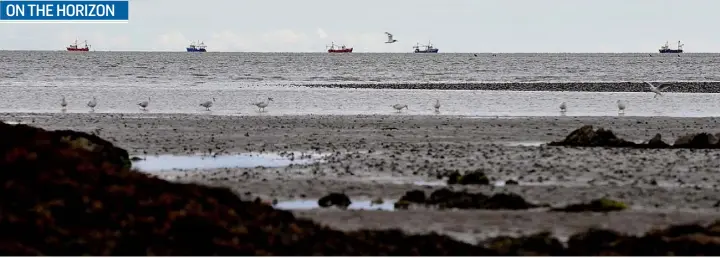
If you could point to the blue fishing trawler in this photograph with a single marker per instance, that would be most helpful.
(196, 48)
(426, 48)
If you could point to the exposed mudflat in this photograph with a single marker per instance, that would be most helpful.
(706, 86)
(370, 157)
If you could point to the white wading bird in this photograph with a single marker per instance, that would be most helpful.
(563, 107)
(399, 107)
(437, 106)
(207, 104)
(390, 38)
(144, 104)
(63, 103)
(621, 106)
(91, 104)
(658, 90)
(262, 104)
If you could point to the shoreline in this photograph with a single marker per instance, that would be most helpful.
(202, 114)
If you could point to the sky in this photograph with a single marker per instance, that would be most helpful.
(467, 26)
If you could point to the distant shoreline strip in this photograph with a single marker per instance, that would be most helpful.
(684, 87)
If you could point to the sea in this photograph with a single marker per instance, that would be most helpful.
(177, 82)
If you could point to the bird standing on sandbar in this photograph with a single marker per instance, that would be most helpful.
(437, 105)
(63, 103)
(262, 104)
(91, 104)
(144, 104)
(563, 108)
(621, 106)
(399, 107)
(207, 104)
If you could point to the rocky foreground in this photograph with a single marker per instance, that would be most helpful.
(71, 193)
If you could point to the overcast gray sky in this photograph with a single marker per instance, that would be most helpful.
(452, 25)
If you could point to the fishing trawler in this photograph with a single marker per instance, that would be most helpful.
(425, 48)
(74, 47)
(196, 48)
(666, 48)
(338, 48)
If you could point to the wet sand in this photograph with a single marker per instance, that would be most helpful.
(378, 156)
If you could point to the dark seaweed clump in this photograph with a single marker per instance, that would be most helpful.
(587, 136)
(449, 199)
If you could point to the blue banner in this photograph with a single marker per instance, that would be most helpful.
(64, 11)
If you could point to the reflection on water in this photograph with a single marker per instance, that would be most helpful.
(245, 160)
(522, 143)
(387, 205)
(422, 183)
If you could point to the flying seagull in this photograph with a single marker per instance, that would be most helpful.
(390, 38)
(658, 90)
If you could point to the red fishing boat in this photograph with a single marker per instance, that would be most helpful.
(338, 48)
(74, 47)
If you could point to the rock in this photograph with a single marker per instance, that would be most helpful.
(136, 158)
(586, 136)
(657, 142)
(696, 141)
(680, 240)
(476, 177)
(507, 201)
(684, 140)
(335, 199)
(440, 195)
(599, 205)
(447, 199)
(402, 205)
(540, 244)
(101, 150)
(377, 201)
(600, 242)
(414, 196)
(511, 182)
(453, 177)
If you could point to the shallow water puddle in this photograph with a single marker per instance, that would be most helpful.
(387, 205)
(443, 183)
(427, 183)
(246, 160)
(523, 143)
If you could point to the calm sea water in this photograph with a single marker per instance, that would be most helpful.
(178, 82)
